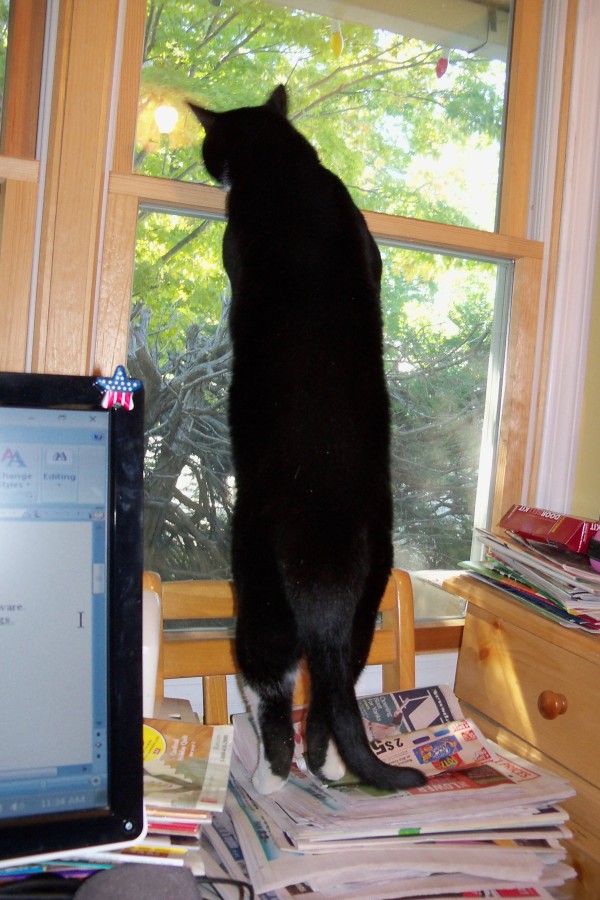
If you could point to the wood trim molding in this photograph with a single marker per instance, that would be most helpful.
(163, 193)
(116, 279)
(203, 199)
(511, 466)
(18, 207)
(520, 128)
(25, 52)
(129, 87)
(452, 238)
(575, 248)
(75, 186)
(19, 169)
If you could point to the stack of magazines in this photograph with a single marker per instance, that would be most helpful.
(542, 560)
(485, 821)
(186, 773)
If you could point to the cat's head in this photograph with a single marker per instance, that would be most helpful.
(246, 140)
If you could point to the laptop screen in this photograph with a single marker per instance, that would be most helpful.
(70, 618)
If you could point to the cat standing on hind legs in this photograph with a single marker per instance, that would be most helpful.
(310, 432)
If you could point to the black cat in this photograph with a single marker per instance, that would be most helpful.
(309, 420)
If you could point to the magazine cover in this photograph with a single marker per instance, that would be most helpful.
(186, 764)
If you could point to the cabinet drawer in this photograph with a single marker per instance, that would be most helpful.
(503, 670)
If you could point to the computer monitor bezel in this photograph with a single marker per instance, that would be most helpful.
(122, 820)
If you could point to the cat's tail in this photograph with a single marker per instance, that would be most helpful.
(334, 712)
(350, 737)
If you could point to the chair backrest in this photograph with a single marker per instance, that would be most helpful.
(204, 647)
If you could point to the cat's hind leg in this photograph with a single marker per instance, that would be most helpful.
(276, 740)
(324, 759)
(337, 650)
(267, 649)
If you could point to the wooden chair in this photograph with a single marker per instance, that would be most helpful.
(208, 652)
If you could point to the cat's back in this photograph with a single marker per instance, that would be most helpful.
(304, 269)
(308, 406)
(308, 402)
(280, 190)
(294, 234)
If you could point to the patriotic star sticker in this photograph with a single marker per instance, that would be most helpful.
(118, 390)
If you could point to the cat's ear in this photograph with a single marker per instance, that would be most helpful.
(278, 100)
(206, 118)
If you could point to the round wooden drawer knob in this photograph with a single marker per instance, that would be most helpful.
(552, 705)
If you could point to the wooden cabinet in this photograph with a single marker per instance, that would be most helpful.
(534, 687)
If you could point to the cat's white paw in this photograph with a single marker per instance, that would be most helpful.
(333, 768)
(264, 781)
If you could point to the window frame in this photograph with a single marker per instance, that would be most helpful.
(19, 175)
(87, 220)
(127, 191)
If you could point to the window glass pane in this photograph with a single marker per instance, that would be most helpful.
(408, 110)
(442, 336)
(179, 345)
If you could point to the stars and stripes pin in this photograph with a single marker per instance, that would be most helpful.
(119, 389)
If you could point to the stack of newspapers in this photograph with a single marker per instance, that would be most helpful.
(485, 821)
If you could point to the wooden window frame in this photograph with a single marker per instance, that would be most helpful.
(128, 191)
(19, 175)
(91, 200)
(76, 184)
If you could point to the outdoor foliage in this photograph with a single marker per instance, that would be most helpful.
(399, 138)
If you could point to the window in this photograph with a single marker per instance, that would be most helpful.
(182, 348)
(84, 226)
(444, 330)
(412, 127)
(167, 212)
(409, 113)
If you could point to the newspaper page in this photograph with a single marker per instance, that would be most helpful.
(410, 710)
(456, 745)
(308, 810)
(448, 887)
(383, 715)
(223, 856)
